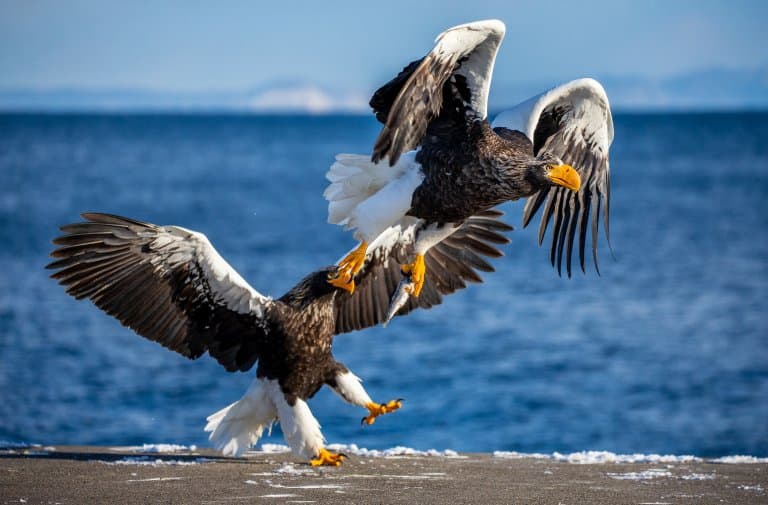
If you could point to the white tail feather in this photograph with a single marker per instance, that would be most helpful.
(354, 177)
(234, 429)
(370, 197)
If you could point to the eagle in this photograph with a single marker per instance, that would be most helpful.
(438, 160)
(170, 285)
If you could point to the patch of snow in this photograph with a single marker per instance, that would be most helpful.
(155, 479)
(599, 457)
(739, 459)
(285, 495)
(698, 476)
(290, 469)
(309, 486)
(757, 487)
(394, 451)
(251, 482)
(652, 473)
(156, 448)
(519, 455)
(272, 449)
(147, 461)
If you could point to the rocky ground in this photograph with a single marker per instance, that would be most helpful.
(82, 475)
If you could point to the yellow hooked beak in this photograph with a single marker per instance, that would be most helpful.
(565, 176)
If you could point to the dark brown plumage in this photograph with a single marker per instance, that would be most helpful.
(169, 285)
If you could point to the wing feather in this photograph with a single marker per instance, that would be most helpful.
(450, 264)
(572, 121)
(407, 104)
(166, 283)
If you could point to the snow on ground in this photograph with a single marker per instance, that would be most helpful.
(739, 459)
(651, 473)
(394, 451)
(756, 488)
(272, 449)
(599, 457)
(581, 457)
(147, 461)
(698, 476)
(157, 448)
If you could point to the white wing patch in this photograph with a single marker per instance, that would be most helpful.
(224, 280)
(590, 111)
(479, 42)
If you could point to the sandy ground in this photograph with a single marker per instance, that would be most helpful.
(82, 475)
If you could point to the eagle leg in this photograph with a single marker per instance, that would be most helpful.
(416, 272)
(348, 268)
(327, 458)
(377, 409)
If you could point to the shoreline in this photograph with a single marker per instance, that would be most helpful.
(176, 474)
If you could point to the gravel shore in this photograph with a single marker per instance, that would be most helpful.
(83, 475)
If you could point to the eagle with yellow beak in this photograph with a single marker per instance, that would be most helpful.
(438, 160)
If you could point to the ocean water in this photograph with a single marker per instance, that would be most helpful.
(666, 352)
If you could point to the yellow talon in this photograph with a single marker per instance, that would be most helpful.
(416, 270)
(348, 268)
(377, 409)
(327, 458)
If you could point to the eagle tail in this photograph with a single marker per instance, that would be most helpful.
(370, 197)
(235, 428)
(353, 178)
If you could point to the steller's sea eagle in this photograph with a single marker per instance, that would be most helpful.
(437, 160)
(170, 285)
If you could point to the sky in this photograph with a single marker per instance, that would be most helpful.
(235, 45)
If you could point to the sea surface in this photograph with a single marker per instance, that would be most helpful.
(665, 352)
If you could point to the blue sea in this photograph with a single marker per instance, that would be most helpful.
(665, 352)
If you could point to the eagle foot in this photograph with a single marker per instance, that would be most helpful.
(327, 458)
(416, 272)
(348, 268)
(377, 409)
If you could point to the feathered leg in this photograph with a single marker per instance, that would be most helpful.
(234, 429)
(350, 388)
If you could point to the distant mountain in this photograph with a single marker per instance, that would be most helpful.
(278, 97)
(304, 97)
(701, 90)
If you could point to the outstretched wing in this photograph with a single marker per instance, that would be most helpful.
(464, 54)
(166, 283)
(574, 122)
(451, 264)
